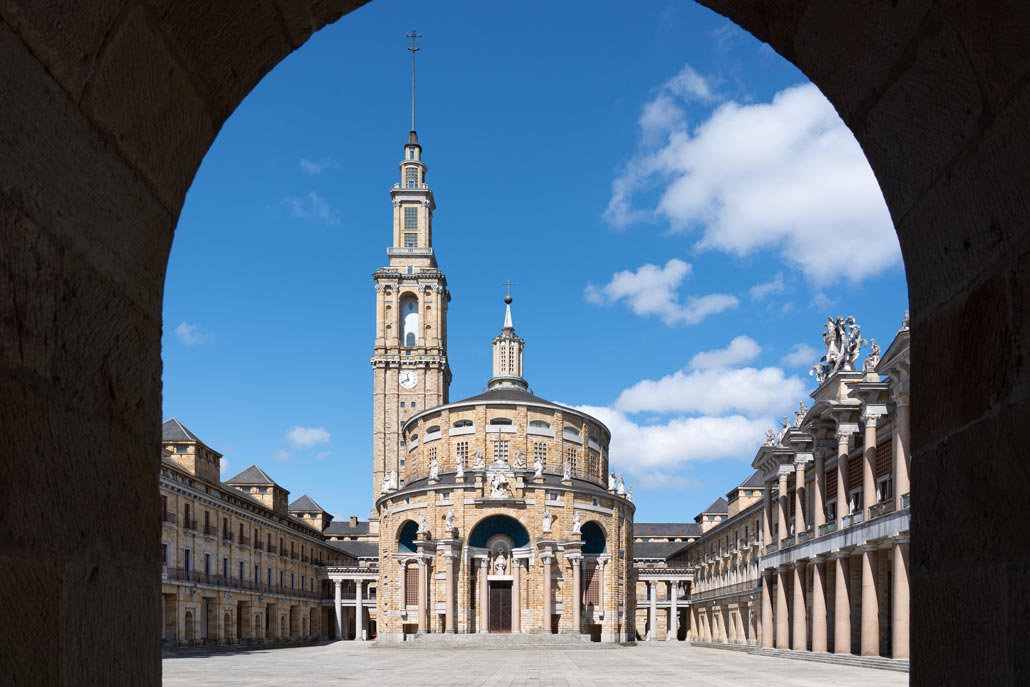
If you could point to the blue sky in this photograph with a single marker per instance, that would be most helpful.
(679, 208)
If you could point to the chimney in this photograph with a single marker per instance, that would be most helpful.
(353, 521)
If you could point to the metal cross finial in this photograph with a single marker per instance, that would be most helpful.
(507, 284)
(415, 37)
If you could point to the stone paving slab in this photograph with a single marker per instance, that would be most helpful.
(352, 663)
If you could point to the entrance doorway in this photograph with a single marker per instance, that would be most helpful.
(500, 607)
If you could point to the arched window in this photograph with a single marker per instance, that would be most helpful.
(462, 423)
(500, 421)
(409, 321)
(540, 424)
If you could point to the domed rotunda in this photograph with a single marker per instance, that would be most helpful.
(504, 518)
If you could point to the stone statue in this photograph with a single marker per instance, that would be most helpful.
(434, 469)
(611, 481)
(548, 521)
(385, 488)
(770, 437)
(577, 526)
(629, 494)
(872, 358)
(520, 460)
(905, 323)
(799, 414)
(843, 339)
(478, 463)
(449, 519)
(498, 484)
(784, 427)
(460, 467)
(423, 526)
(500, 564)
(567, 471)
(538, 467)
(621, 490)
(393, 481)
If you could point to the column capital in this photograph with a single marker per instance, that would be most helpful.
(871, 419)
(843, 435)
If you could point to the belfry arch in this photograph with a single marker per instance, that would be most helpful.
(111, 111)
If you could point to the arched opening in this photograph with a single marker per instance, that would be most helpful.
(493, 525)
(189, 632)
(939, 109)
(406, 537)
(409, 321)
(593, 538)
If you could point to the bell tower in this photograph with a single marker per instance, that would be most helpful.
(409, 361)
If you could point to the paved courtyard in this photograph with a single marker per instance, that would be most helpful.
(349, 663)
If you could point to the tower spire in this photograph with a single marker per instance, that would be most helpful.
(413, 47)
(508, 347)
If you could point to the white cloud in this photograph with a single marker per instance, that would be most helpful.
(312, 207)
(653, 450)
(653, 290)
(306, 437)
(282, 454)
(768, 288)
(318, 167)
(322, 455)
(743, 349)
(747, 390)
(191, 334)
(224, 466)
(801, 355)
(786, 176)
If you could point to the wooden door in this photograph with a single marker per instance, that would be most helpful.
(500, 607)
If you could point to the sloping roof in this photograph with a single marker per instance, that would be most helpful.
(344, 527)
(666, 529)
(306, 503)
(252, 475)
(173, 430)
(657, 550)
(719, 505)
(510, 394)
(358, 549)
(755, 480)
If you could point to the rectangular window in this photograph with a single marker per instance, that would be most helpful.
(411, 177)
(884, 459)
(207, 564)
(164, 507)
(553, 495)
(241, 571)
(432, 453)
(410, 219)
(293, 580)
(164, 554)
(187, 559)
(257, 574)
(592, 592)
(501, 451)
(831, 484)
(225, 568)
(410, 240)
(884, 488)
(463, 451)
(413, 404)
(411, 585)
(540, 453)
(572, 455)
(269, 577)
(181, 448)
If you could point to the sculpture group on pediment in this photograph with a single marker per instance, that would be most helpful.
(844, 342)
(498, 484)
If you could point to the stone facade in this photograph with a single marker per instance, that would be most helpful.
(239, 565)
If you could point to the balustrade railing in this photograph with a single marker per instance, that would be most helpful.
(771, 548)
(195, 577)
(227, 536)
(882, 508)
(806, 535)
(828, 528)
(852, 519)
(244, 541)
(189, 525)
(170, 518)
(210, 530)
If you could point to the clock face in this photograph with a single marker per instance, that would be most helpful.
(408, 379)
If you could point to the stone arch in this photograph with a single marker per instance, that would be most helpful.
(409, 319)
(93, 181)
(407, 533)
(189, 631)
(491, 525)
(595, 540)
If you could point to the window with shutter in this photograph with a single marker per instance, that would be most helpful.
(411, 585)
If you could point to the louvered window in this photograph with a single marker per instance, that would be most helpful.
(411, 585)
(884, 459)
(831, 484)
(592, 590)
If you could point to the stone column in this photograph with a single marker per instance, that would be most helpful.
(782, 619)
(600, 585)
(901, 447)
(359, 611)
(423, 596)
(870, 604)
(691, 622)
(338, 606)
(484, 596)
(800, 639)
(449, 556)
(869, 466)
(784, 528)
(767, 535)
(741, 627)
(674, 618)
(729, 628)
(900, 602)
(819, 605)
(799, 498)
(767, 612)
(516, 596)
(577, 594)
(545, 559)
(819, 495)
(652, 588)
(841, 605)
(843, 506)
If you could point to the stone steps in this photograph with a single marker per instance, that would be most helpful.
(876, 662)
(498, 641)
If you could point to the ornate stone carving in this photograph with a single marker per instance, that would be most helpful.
(844, 342)
(449, 519)
(548, 521)
(611, 481)
(478, 463)
(800, 413)
(784, 427)
(389, 482)
(567, 471)
(577, 525)
(538, 467)
(459, 467)
(520, 460)
(872, 358)
(621, 489)
(423, 525)
(500, 564)
(434, 469)
(770, 437)
(498, 484)
(629, 494)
